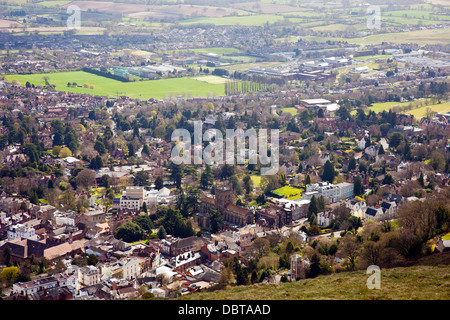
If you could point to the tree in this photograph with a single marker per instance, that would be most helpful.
(328, 172)
(100, 147)
(85, 179)
(159, 183)
(96, 163)
(307, 180)
(141, 179)
(9, 274)
(350, 248)
(92, 259)
(313, 207)
(437, 161)
(161, 233)
(352, 164)
(395, 139)
(144, 222)
(207, 177)
(129, 232)
(65, 152)
(34, 199)
(358, 187)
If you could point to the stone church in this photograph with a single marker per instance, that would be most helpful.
(223, 201)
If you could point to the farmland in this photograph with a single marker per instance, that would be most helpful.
(157, 89)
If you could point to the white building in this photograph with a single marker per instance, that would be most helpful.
(324, 218)
(133, 197)
(58, 280)
(88, 275)
(130, 268)
(20, 231)
(331, 192)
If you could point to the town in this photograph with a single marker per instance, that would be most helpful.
(93, 205)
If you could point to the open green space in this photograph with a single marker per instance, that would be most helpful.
(288, 192)
(422, 111)
(290, 110)
(156, 89)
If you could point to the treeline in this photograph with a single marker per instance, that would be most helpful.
(106, 74)
(233, 87)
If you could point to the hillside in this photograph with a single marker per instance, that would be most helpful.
(416, 282)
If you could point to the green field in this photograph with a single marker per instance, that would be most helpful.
(290, 110)
(156, 89)
(256, 181)
(250, 20)
(289, 192)
(211, 79)
(422, 112)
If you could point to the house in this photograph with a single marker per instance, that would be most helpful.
(443, 245)
(88, 275)
(324, 218)
(60, 280)
(372, 213)
(299, 267)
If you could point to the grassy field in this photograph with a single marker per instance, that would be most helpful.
(434, 36)
(290, 110)
(256, 181)
(412, 283)
(211, 79)
(289, 192)
(422, 112)
(157, 89)
(250, 20)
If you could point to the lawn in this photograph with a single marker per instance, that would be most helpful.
(290, 110)
(256, 181)
(156, 89)
(289, 192)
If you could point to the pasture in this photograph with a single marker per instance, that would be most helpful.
(157, 89)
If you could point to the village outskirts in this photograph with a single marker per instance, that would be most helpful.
(227, 309)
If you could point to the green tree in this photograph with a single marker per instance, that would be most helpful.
(161, 233)
(144, 222)
(129, 232)
(313, 207)
(307, 180)
(352, 164)
(207, 177)
(9, 274)
(159, 183)
(92, 259)
(100, 147)
(395, 139)
(141, 179)
(358, 187)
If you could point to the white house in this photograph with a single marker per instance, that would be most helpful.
(88, 275)
(131, 268)
(20, 231)
(324, 218)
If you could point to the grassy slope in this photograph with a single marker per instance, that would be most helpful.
(417, 282)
